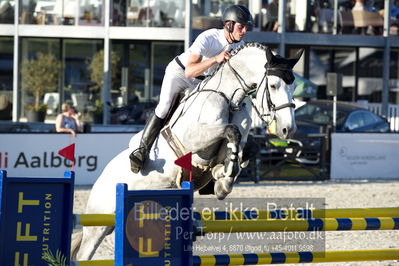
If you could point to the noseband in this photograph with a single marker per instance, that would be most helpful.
(251, 89)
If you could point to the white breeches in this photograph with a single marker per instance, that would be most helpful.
(173, 83)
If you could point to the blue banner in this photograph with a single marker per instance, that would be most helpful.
(154, 226)
(35, 218)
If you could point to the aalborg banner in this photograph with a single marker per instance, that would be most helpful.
(36, 155)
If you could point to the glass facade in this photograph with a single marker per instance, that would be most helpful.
(32, 91)
(141, 13)
(317, 16)
(333, 59)
(47, 12)
(163, 53)
(91, 12)
(78, 86)
(61, 12)
(140, 69)
(6, 69)
(154, 13)
(6, 12)
(6, 63)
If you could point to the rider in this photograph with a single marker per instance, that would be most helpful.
(187, 70)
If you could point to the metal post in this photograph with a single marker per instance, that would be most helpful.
(387, 58)
(335, 25)
(187, 26)
(77, 10)
(15, 83)
(107, 66)
(356, 74)
(61, 80)
(281, 26)
(334, 112)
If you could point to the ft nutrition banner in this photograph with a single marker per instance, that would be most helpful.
(36, 155)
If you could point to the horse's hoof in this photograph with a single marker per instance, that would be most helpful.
(223, 187)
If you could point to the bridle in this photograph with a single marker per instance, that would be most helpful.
(255, 89)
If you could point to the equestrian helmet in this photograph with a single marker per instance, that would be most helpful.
(237, 13)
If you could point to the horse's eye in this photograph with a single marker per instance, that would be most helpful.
(273, 86)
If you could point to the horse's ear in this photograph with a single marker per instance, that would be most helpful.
(269, 55)
(298, 54)
(296, 57)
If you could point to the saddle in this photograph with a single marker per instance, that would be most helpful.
(201, 174)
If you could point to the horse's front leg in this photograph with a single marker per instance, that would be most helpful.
(201, 136)
(91, 240)
(226, 174)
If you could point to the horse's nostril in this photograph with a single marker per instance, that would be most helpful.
(285, 131)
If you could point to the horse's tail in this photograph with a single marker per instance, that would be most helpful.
(75, 243)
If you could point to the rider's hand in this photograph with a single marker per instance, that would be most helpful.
(73, 133)
(223, 57)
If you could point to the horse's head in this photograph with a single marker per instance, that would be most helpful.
(274, 99)
(256, 69)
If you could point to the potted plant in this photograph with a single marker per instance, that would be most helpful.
(98, 112)
(96, 68)
(39, 75)
(36, 113)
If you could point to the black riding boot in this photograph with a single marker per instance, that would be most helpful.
(151, 131)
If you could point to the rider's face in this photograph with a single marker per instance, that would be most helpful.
(239, 31)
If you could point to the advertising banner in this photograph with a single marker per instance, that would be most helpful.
(36, 155)
(363, 155)
(35, 219)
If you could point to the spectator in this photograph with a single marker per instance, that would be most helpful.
(272, 24)
(395, 9)
(262, 18)
(359, 5)
(68, 121)
(365, 5)
(394, 30)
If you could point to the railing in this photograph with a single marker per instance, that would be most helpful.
(300, 159)
(393, 112)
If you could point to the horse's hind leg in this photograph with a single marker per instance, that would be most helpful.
(92, 238)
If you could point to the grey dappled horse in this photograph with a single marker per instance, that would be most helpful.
(212, 122)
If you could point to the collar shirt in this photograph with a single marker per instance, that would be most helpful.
(209, 44)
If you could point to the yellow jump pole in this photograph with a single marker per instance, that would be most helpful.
(298, 257)
(280, 257)
(93, 262)
(109, 219)
(319, 224)
(94, 219)
(299, 213)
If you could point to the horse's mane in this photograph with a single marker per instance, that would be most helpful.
(246, 45)
(242, 47)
